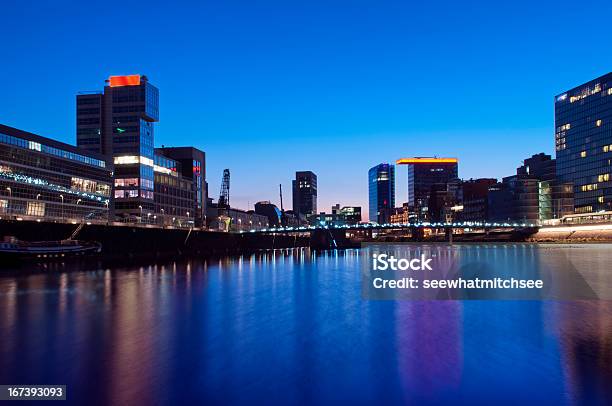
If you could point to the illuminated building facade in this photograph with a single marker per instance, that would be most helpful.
(174, 195)
(192, 168)
(305, 193)
(47, 180)
(583, 143)
(118, 123)
(425, 176)
(381, 190)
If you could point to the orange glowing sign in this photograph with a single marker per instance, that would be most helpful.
(409, 161)
(128, 80)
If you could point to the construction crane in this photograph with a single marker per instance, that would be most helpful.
(224, 196)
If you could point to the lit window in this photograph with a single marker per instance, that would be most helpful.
(606, 148)
(598, 123)
(35, 209)
(126, 160)
(582, 154)
(600, 199)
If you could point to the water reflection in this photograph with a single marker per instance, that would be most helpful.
(290, 326)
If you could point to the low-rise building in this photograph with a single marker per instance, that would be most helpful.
(44, 179)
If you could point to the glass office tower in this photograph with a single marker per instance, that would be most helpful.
(583, 143)
(381, 185)
(119, 124)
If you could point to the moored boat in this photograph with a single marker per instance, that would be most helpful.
(12, 248)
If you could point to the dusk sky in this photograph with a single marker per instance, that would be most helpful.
(336, 87)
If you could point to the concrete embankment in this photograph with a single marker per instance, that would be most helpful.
(134, 241)
(578, 233)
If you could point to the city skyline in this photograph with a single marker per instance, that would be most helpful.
(386, 88)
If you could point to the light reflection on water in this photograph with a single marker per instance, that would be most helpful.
(291, 327)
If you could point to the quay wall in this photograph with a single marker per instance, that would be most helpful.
(133, 241)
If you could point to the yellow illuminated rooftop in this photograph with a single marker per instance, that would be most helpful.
(426, 160)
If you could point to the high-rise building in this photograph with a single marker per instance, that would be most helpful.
(426, 175)
(381, 188)
(119, 124)
(305, 193)
(583, 143)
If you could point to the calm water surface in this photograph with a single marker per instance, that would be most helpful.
(290, 327)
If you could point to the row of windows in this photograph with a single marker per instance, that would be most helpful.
(20, 178)
(89, 186)
(127, 182)
(84, 111)
(10, 140)
(88, 131)
(83, 100)
(11, 188)
(49, 167)
(133, 193)
(589, 187)
(88, 121)
(125, 119)
(128, 109)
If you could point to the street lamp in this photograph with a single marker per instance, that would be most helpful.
(140, 207)
(8, 189)
(37, 196)
(77, 203)
(62, 197)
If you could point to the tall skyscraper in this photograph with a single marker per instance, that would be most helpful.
(119, 124)
(583, 143)
(424, 175)
(381, 186)
(305, 193)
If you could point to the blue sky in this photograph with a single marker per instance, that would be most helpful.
(270, 87)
